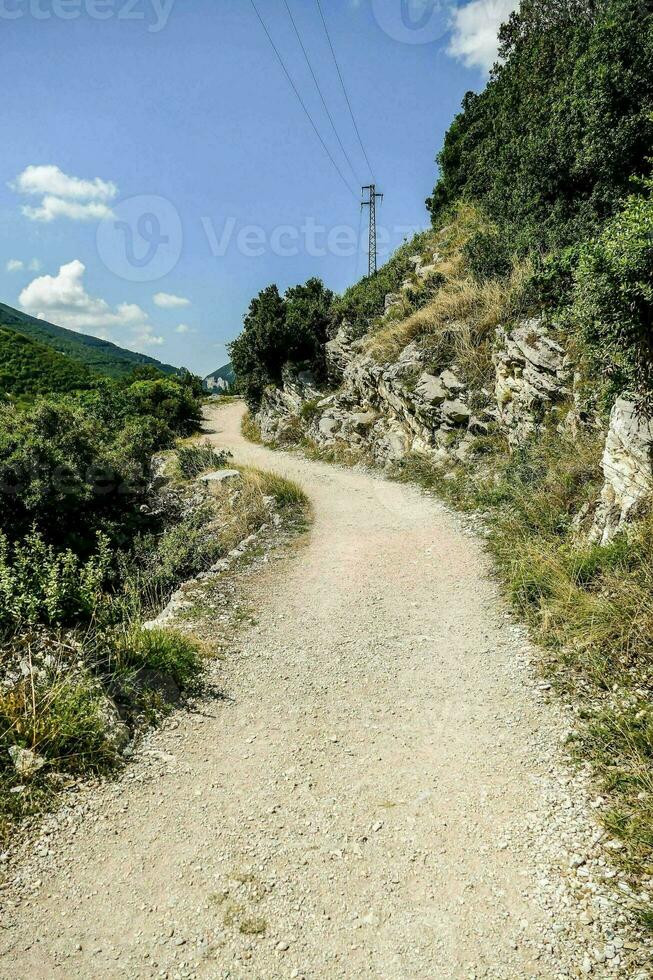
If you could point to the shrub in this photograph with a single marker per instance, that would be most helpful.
(487, 256)
(280, 330)
(39, 584)
(175, 404)
(197, 459)
(168, 651)
(549, 147)
(613, 304)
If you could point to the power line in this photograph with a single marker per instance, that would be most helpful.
(317, 86)
(301, 101)
(344, 88)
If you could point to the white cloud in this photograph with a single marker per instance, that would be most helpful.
(183, 328)
(14, 265)
(475, 28)
(63, 196)
(63, 299)
(168, 301)
(56, 207)
(51, 180)
(35, 265)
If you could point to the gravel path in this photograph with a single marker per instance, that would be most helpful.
(383, 794)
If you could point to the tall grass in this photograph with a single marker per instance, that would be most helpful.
(458, 321)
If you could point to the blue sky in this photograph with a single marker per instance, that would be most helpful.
(158, 171)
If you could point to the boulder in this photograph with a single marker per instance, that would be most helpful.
(328, 426)
(221, 476)
(627, 470)
(455, 412)
(451, 382)
(362, 422)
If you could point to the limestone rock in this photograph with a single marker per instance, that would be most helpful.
(391, 300)
(221, 476)
(431, 389)
(532, 376)
(627, 469)
(455, 412)
(26, 762)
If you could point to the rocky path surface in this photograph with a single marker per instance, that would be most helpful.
(381, 794)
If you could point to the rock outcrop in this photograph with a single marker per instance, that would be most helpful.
(627, 469)
(532, 377)
(383, 412)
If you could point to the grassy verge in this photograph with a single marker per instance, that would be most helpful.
(250, 429)
(589, 607)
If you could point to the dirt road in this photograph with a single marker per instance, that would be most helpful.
(380, 798)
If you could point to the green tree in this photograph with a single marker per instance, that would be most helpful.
(613, 303)
(549, 147)
(279, 331)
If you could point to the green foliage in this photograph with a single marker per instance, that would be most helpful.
(174, 404)
(279, 331)
(487, 256)
(168, 651)
(30, 368)
(198, 458)
(41, 585)
(549, 147)
(613, 302)
(76, 466)
(365, 300)
(99, 356)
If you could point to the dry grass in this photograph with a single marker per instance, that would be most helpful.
(458, 323)
(250, 429)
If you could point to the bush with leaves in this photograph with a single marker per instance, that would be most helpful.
(41, 585)
(280, 331)
(613, 303)
(549, 146)
(487, 256)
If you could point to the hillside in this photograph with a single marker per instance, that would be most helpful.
(97, 355)
(28, 367)
(222, 379)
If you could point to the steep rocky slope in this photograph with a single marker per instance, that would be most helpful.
(386, 410)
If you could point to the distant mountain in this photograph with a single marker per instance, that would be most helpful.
(221, 380)
(30, 368)
(97, 355)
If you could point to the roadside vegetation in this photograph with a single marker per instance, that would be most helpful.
(102, 518)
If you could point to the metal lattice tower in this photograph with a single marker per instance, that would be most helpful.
(371, 204)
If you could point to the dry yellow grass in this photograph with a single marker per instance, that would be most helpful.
(457, 323)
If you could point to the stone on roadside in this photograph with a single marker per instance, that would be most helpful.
(221, 476)
(26, 762)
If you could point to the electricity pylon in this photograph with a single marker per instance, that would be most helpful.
(371, 204)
